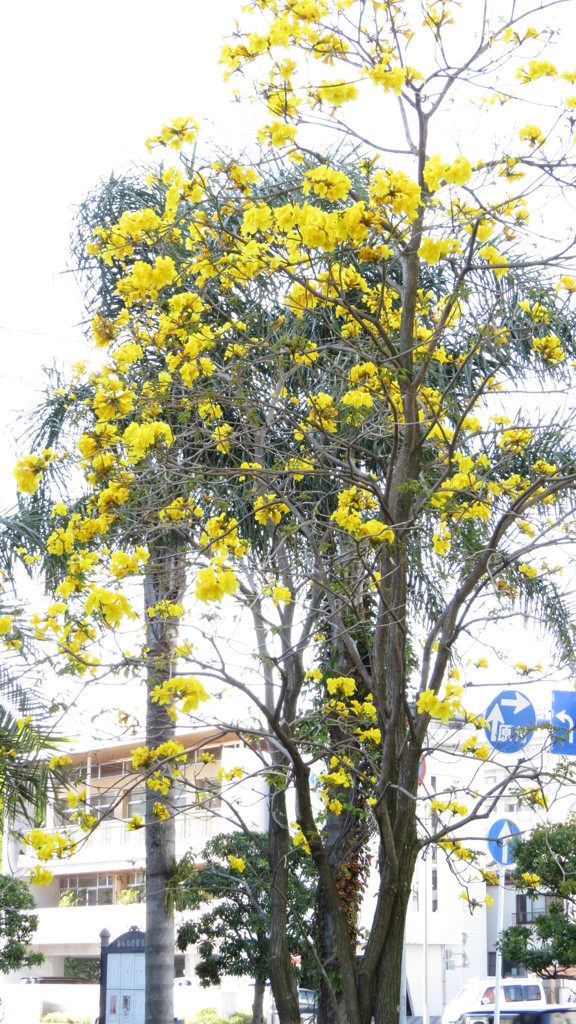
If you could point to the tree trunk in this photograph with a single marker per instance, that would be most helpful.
(388, 981)
(258, 1004)
(282, 977)
(164, 581)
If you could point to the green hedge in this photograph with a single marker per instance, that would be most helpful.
(57, 1017)
(211, 1016)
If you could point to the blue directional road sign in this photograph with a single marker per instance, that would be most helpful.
(501, 840)
(564, 722)
(510, 720)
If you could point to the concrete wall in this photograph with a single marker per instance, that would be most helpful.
(27, 1003)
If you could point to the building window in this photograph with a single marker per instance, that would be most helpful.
(101, 804)
(110, 768)
(132, 887)
(203, 755)
(136, 801)
(86, 890)
(208, 794)
(528, 908)
(87, 968)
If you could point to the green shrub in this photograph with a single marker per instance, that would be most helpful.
(57, 1017)
(211, 1016)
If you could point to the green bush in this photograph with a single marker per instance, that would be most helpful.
(211, 1016)
(57, 1017)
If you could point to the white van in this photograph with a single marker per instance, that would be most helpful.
(478, 994)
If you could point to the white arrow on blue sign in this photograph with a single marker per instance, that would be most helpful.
(563, 722)
(501, 840)
(510, 721)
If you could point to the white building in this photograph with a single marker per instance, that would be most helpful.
(101, 886)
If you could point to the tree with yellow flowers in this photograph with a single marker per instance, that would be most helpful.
(332, 403)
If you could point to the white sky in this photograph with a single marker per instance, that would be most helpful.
(82, 86)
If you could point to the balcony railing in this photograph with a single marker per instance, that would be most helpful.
(526, 916)
(112, 840)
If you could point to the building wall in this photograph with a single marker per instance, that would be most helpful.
(112, 859)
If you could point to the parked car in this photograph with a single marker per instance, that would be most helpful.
(548, 1015)
(307, 1004)
(515, 993)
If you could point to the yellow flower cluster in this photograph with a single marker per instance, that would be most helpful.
(29, 470)
(170, 752)
(430, 704)
(550, 348)
(123, 564)
(352, 504)
(139, 438)
(269, 508)
(213, 582)
(437, 172)
(160, 811)
(344, 685)
(146, 280)
(326, 182)
(299, 838)
(471, 746)
(185, 689)
(47, 845)
(40, 875)
(399, 191)
(452, 806)
(174, 135)
(59, 761)
(220, 535)
(109, 605)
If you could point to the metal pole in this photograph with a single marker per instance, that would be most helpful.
(104, 940)
(500, 916)
(425, 1006)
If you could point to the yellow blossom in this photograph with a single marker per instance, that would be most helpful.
(213, 582)
(40, 875)
(59, 761)
(341, 684)
(236, 863)
(281, 593)
(532, 134)
(536, 69)
(529, 571)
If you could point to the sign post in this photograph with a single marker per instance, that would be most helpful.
(563, 721)
(510, 721)
(122, 984)
(501, 838)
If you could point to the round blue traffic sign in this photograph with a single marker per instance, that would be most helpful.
(501, 838)
(510, 721)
